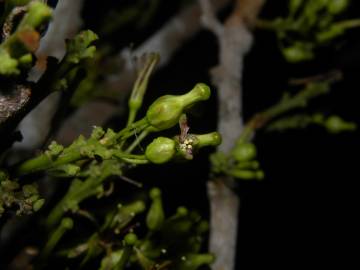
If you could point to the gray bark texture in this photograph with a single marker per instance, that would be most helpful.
(235, 40)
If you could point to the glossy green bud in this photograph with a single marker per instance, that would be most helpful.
(244, 152)
(97, 133)
(165, 112)
(38, 204)
(210, 139)
(155, 217)
(182, 211)
(130, 239)
(334, 124)
(160, 150)
(67, 223)
(54, 149)
(337, 6)
(297, 53)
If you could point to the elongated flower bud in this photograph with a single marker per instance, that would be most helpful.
(209, 139)
(165, 112)
(155, 217)
(335, 124)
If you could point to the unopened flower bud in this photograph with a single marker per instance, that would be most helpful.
(210, 139)
(165, 112)
(160, 150)
(335, 124)
(244, 152)
(155, 217)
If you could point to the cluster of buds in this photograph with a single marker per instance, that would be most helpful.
(245, 165)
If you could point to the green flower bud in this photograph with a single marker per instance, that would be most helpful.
(182, 211)
(210, 139)
(185, 146)
(67, 223)
(334, 124)
(155, 217)
(244, 152)
(54, 149)
(165, 112)
(130, 239)
(160, 150)
(38, 204)
(297, 53)
(97, 133)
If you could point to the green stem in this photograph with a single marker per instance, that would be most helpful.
(65, 225)
(44, 162)
(132, 116)
(137, 141)
(132, 129)
(348, 24)
(286, 104)
(123, 155)
(135, 161)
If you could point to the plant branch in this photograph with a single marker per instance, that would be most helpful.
(166, 41)
(235, 41)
